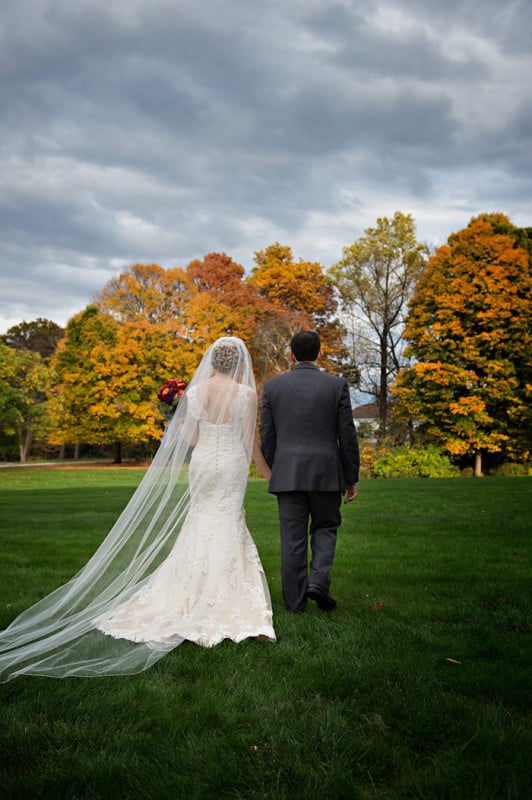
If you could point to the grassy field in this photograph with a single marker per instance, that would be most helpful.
(416, 687)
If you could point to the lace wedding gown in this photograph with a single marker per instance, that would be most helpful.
(212, 585)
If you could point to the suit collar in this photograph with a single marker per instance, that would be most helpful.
(305, 365)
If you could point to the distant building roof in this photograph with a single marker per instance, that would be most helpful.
(368, 411)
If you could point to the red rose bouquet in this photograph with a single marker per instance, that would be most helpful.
(170, 394)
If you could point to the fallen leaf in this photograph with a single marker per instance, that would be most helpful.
(377, 606)
(453, 661)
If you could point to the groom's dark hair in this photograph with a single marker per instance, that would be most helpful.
(305, 345)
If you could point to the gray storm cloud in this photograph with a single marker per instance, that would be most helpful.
(159, 132)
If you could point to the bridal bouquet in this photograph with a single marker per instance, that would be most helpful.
(171, 392)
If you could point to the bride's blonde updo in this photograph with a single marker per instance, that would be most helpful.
(225, 356)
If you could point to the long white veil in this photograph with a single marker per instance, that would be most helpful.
(57, 636)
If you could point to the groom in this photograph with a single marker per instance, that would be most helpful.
(310, 443)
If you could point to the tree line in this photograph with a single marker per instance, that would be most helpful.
(439, 341)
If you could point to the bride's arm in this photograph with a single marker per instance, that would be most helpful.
(189, 426)
(260, 461)
(190, 431)
(249, 420)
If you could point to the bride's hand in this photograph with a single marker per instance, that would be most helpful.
(260, 461)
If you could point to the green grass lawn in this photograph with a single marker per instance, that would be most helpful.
(416, 687)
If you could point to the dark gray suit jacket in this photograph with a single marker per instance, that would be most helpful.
(307, 433)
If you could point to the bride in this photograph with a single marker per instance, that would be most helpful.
(179, 563)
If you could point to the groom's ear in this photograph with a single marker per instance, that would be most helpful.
(293, 359)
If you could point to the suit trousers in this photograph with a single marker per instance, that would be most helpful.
(295, 510)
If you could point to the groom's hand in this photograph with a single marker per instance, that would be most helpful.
(350, 492)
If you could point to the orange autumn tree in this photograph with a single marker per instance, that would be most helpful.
(156, 302)
(218, 274)
(209, 319)
(222, 279)
(468, 329)
(151, 293)
(301, 296)
(181, 312)
(150, 325)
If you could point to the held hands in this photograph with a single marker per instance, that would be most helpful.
(350, 492)
(260, 461)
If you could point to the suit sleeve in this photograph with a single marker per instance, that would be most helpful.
(347, 438)
(267, 428)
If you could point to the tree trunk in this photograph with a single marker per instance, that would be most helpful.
(61, 455)
(383, 391)
(411, 434)
(118, 453)
(76, 451)
(26, 446)
(478, 464)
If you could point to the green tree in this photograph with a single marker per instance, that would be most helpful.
(23, 383)
(375, 279)
(40, 336)
(469, 332)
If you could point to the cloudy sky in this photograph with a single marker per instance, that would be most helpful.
(134, 131)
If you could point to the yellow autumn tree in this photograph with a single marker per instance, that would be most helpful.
(105, 388)
(468, 329)
(375, 279)
(106, 379)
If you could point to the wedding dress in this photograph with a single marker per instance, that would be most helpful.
(212, 585)
(179, 563)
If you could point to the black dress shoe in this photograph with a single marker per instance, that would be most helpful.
(322, 597)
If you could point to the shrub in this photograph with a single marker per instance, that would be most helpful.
(412, 462)
(511, 469)
(370, 453)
